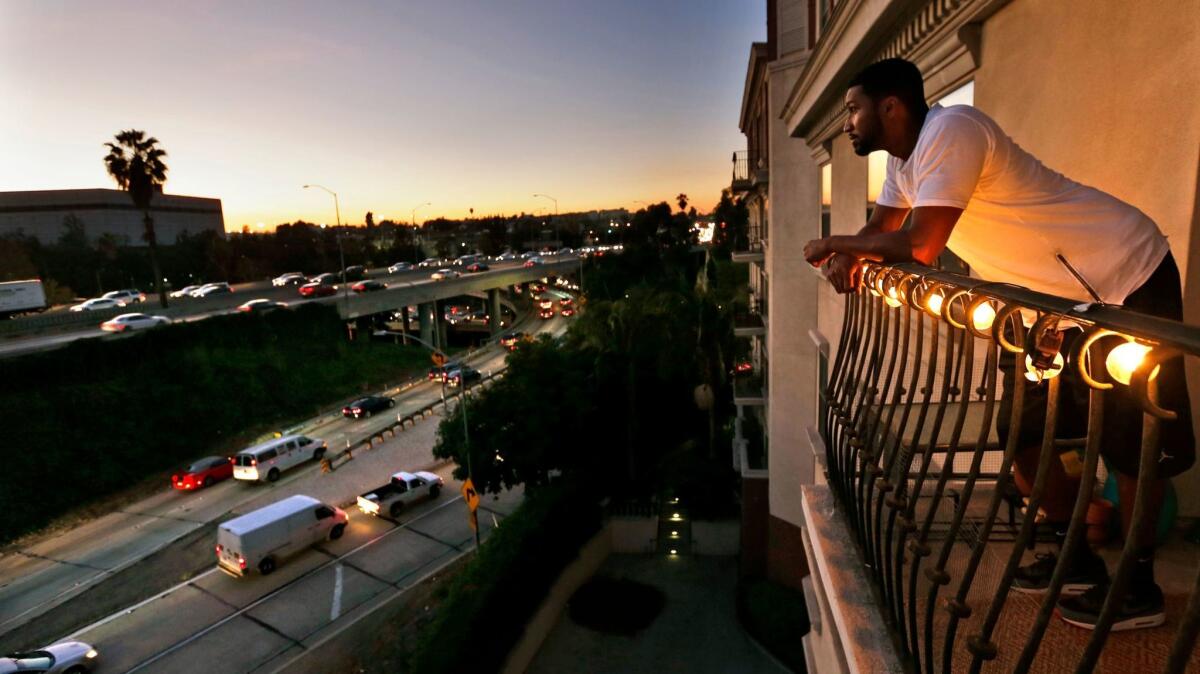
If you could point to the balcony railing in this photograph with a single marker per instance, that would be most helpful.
(748, 244)
(748, 389)
(741, 172)
(749, 323)
(909, 409)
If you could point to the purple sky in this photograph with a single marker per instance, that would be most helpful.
(462, 103)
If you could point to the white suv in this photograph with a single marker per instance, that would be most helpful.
(127, 296)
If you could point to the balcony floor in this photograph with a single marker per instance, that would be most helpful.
(1132, 651)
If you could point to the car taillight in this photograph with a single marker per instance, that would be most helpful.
(174, 478)
(242, 562)
(253, 462)
(219, 548)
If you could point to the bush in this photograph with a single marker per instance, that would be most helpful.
(95, 417)
(492, 600)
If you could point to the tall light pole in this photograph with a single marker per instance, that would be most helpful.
(556, 234)
(413, 220)
(337, 211)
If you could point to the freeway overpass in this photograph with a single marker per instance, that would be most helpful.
(415, 288)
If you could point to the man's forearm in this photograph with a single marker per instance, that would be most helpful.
(893, 246)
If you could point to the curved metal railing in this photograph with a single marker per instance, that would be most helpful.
(918, 349)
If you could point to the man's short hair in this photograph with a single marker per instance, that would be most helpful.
(893, 77)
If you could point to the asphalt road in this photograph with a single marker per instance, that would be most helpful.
(223, 304)
(51, 572)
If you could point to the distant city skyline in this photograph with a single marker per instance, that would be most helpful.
(463, 104)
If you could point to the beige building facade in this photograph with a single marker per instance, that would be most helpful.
(1103, 91)
(41, 214)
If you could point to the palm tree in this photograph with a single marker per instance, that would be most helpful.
(135, 162)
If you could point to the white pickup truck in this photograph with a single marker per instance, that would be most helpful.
(403, 489)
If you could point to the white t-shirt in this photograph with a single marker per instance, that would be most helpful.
(1018, 213)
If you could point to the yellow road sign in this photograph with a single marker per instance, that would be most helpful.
(470, 495)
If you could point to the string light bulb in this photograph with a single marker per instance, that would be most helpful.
(983, 316)
(892, 298)
(934, 302)
(1125, 359)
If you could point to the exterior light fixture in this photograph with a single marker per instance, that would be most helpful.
(1034, 374)
(674, 552)
(983, 316)
(934, 302)
(676, 517)
(892, 298)
(1123, 360)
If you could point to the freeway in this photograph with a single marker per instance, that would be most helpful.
(404, 288)
(51, 572)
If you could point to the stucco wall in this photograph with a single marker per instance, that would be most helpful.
(1107, 93)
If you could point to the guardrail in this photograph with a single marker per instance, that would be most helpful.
(919, 349)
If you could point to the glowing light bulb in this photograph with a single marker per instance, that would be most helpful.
(892, 298)
(1033, 374)
(874, 291)
(983, 316)
(1123, 360)
(934, 303)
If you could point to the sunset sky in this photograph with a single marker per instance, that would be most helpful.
(462, 103)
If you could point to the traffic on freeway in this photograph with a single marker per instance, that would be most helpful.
(54, 575)
(222, 298)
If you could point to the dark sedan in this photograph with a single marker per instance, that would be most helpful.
(365, 407)
(463, 376)
(477, 267)
(317, 290)
(260, 305)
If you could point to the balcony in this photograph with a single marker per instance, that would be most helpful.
(748, 389)
(740, 183)
(748, 245)
(750, 322)
(915, 538)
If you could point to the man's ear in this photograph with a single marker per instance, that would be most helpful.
(889, 106)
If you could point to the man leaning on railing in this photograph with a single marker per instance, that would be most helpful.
(970, 188)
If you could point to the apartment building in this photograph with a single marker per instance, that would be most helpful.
(1103, 92)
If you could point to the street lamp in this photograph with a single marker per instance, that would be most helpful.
(337, 211)
(413, 219)
(556, 233)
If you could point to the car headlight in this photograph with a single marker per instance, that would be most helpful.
(91, 654)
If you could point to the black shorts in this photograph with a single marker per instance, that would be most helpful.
(1121, 442)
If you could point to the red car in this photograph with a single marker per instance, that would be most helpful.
(317, 290)
(204, 473)
(477, 267)
(567, 311)
(368, 286)
(547, 313)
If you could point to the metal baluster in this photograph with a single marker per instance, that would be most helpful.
(957, 607)
(833, 386)
(937, 575)
(1078, 525)
(1145, 389)
(981, 646)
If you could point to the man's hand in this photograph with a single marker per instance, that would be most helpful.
(844, 272)
(818, 251)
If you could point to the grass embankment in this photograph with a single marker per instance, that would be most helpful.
(91, 419)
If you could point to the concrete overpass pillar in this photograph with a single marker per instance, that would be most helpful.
(404, 323)
(439, 317)
(425, 318)
(494, 310)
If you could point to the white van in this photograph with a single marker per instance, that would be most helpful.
(266, 460)
(263, 538)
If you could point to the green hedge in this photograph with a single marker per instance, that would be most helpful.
(99, 415)
(490, 602)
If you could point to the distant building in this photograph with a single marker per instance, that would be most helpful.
(41, 215)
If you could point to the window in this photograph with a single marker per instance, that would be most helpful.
(414, 483)
(324, 512)
(268, 455)
(826, 199)
(964, 95)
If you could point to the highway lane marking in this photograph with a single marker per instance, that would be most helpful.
(131, 609)
(270, 595)
(336, 609)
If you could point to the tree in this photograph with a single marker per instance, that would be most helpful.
(135, 163)
(370, 220)
(682, 200)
